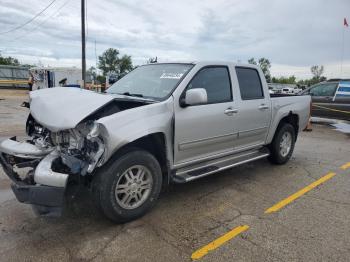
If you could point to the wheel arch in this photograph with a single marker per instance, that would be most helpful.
(290, 118)
(154, 143)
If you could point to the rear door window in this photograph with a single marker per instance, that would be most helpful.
(327, 89)
(249, 83)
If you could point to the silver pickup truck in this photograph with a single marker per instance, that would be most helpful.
(161, 123)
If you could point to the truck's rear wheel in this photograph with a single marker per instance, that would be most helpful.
(128, 186)
(282, 145)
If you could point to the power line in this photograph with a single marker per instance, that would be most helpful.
(29, 21)
(40, 24)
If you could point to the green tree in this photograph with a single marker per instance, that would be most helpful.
(284, 80)
(252, 61)
(311, 81)
(265, 66)
(8, 61)
(125, 65)
(92, 72)
(109, 61)
(101, 79)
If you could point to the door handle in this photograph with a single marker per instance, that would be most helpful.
(229, 111)
(263, 107)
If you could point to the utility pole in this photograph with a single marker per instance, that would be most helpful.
(342, 54)
(95, 55)
(83, 44)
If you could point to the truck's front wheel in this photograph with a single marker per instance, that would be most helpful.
(282, 145)
(128, 186)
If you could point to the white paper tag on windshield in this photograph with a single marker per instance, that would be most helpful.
(171, 75)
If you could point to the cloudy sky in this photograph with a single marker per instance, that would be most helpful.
(292, 34)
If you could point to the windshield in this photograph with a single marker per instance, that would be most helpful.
(155, 81)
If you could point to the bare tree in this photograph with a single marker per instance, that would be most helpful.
(317, 71)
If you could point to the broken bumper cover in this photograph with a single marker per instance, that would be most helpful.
(47, 196)
(47, 193)
(22, 149)
(44, 175)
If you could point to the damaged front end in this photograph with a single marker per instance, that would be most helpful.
(42, 166)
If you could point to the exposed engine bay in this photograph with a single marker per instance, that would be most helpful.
(79, 148)
(51, 160)
(74, 151)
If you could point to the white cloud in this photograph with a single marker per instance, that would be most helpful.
(293, 34)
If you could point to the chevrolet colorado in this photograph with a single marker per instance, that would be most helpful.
(161, 123)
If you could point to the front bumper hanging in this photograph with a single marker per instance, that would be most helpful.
(45, 191)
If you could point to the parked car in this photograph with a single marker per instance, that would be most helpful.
(161, 123)
(290, 91)
(330, 99)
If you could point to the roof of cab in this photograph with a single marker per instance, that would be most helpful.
(214, 62)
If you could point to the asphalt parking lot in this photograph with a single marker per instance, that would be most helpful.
(313, 225)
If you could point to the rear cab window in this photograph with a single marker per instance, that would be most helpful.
(250, 85)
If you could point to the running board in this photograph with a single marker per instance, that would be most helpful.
(187, 174)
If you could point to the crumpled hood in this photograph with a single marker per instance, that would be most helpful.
(63, 108)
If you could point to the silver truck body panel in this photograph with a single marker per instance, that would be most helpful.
(193, 134)
(129, 125)
(206, 132)
(202, 131)
(282, 106)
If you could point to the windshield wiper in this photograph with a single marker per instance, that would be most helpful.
(131, 94)
(137, 95)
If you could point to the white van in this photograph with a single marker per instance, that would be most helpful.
(47, 77)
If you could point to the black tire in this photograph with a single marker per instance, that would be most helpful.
(276, 156)
(106, 179)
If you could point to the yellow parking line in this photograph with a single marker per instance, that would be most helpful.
(331, 109)
(298, 194)
(236, 231)
(345, 166)
(218, 242)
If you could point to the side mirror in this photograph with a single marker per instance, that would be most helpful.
(194, 96)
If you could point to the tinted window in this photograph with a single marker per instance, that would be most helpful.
(216, 81)
(249, 83)
(324, 89)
